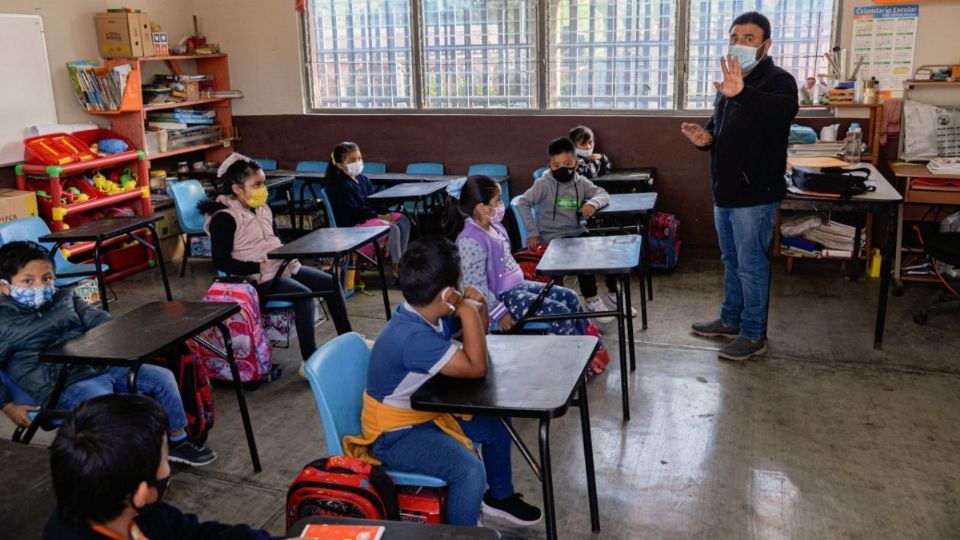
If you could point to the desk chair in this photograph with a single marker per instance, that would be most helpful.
(429, 169)
(539, 172)
(50, 420)
(267, 164)
(493, 169)
(186, 195)
(31, 228)
(945, 248)
(374, 167)
(521, 228)
(337, 373)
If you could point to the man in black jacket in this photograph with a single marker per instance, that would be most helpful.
(747, 139)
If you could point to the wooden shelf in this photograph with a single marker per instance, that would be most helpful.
(911, 84)
(175, 105)
(852, 105)
(175, 58)
(919, 278)
(188, 149)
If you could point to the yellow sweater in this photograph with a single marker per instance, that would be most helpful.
(378, 418)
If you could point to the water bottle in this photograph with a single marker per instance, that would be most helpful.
(851, 147)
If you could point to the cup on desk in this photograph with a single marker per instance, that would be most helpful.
(829, 133)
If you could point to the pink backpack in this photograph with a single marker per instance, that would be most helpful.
(250, 345)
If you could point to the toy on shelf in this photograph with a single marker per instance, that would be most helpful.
(56, 149)
(111, 146)
(128, 180)
(106, 186)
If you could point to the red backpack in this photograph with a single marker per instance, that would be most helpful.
(195, 391)
(343, 487)
(528, 259)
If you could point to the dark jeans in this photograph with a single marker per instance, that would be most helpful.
(588, 282)
(309, 279)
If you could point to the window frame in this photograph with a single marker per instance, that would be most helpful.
(418, 78)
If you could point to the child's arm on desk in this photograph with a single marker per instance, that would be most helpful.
(470, 362)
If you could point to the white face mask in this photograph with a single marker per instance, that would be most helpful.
(355, 168)
(446, 299)
(584, 152)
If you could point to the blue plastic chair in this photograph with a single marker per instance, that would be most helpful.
(31, 228)
(429, 169)
(327, 209)
(337, 373)
(312, 166)
(521, 228)
(267, 164)
(19, 396)
(186, 195)
(493, 169)
(374, 167)
(539, 172)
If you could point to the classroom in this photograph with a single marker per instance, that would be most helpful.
(329, 269)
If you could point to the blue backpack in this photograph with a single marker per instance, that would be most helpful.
(664, 241)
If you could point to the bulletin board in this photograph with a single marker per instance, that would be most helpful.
(885, 36)
(26, 95)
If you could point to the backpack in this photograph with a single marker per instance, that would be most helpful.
(832, 181)
(528, 259)
(195, 391)
(251, 349)
(665, 242)
(342, 486)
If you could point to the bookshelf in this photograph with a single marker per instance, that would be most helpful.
(131, 120)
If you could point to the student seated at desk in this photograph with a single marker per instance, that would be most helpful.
(413, 347)
(348, 190)
(590, 163)
(110, 472)
(35, 316)
(561, 198)
(240, 225)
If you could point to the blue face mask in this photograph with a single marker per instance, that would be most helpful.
(34, 297)
(747, 56)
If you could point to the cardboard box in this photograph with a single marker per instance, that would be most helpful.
(168, 225)
(118, 35)
(146, 34)
(15, 204)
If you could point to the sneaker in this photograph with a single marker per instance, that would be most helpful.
(743, 348)
(512, 509)
(714, 328)
(612, 298)
(302, 371)
(596, 304)
(191, 453)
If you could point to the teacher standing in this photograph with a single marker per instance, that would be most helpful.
(747, 140)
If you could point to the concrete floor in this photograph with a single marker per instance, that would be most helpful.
(823, 438)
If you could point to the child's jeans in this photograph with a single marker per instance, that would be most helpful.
(154, 381)
(559, 300)
(427, 450)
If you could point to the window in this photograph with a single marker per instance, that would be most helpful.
(359, 54)
(611, 54)
(801, 31)
(479, 54)
(619, 55)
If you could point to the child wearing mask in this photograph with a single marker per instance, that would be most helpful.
(590, 163)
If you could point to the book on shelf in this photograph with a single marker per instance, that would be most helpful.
(216, 94)
(168, 125)
(98, 88)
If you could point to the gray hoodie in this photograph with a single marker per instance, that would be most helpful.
(557, 206)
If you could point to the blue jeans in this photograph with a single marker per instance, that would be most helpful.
(427, 450)
(560, 300)
(154, 381)
(745, 235)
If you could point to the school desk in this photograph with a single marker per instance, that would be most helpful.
(626, 180)
(402, 530)
(528, 377)
(635, 204)
(334, 243)
(105, 230)
(884, 201)
(139, 336)
(607, 255)
(423, 195)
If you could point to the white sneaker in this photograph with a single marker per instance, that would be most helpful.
(596, 304)
(612, 297)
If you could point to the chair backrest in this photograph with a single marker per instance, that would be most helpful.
(425, 168)
(17, 394)
(337, 373)
(327, 209)
(489, 169)
(29, 229)
(267, 164)
(539, 172)
(374, 167)
(521, 228)
(186, 195)
(312, 166)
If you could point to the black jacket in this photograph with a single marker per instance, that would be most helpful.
(348, 198)
(748, 156)
(160, 522)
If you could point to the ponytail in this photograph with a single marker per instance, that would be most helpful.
(339, 153)
(477, 189)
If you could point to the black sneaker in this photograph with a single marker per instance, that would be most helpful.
(512, 509)
(714, 328)
(743, 348)
(191, 453)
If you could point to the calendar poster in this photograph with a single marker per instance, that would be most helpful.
(885, 36)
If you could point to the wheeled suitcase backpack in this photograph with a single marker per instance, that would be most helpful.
(664, 241)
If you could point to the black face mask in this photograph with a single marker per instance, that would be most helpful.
(161, 485)
(564, 174)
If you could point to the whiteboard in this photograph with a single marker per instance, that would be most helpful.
(26, 94)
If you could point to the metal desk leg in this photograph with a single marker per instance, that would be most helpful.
(241, 400)
(51, 405)
(378, 251)
(646, 259)
(101, 280)
(159, 254)
(588, 457)
(546, 480)
(132, 378)
(522, 447)
(628, 313)
(643, 297)
(898, 255)
(622, 337)
(892, 214)
(855, 269)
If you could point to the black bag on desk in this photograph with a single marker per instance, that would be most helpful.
(832, 180)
